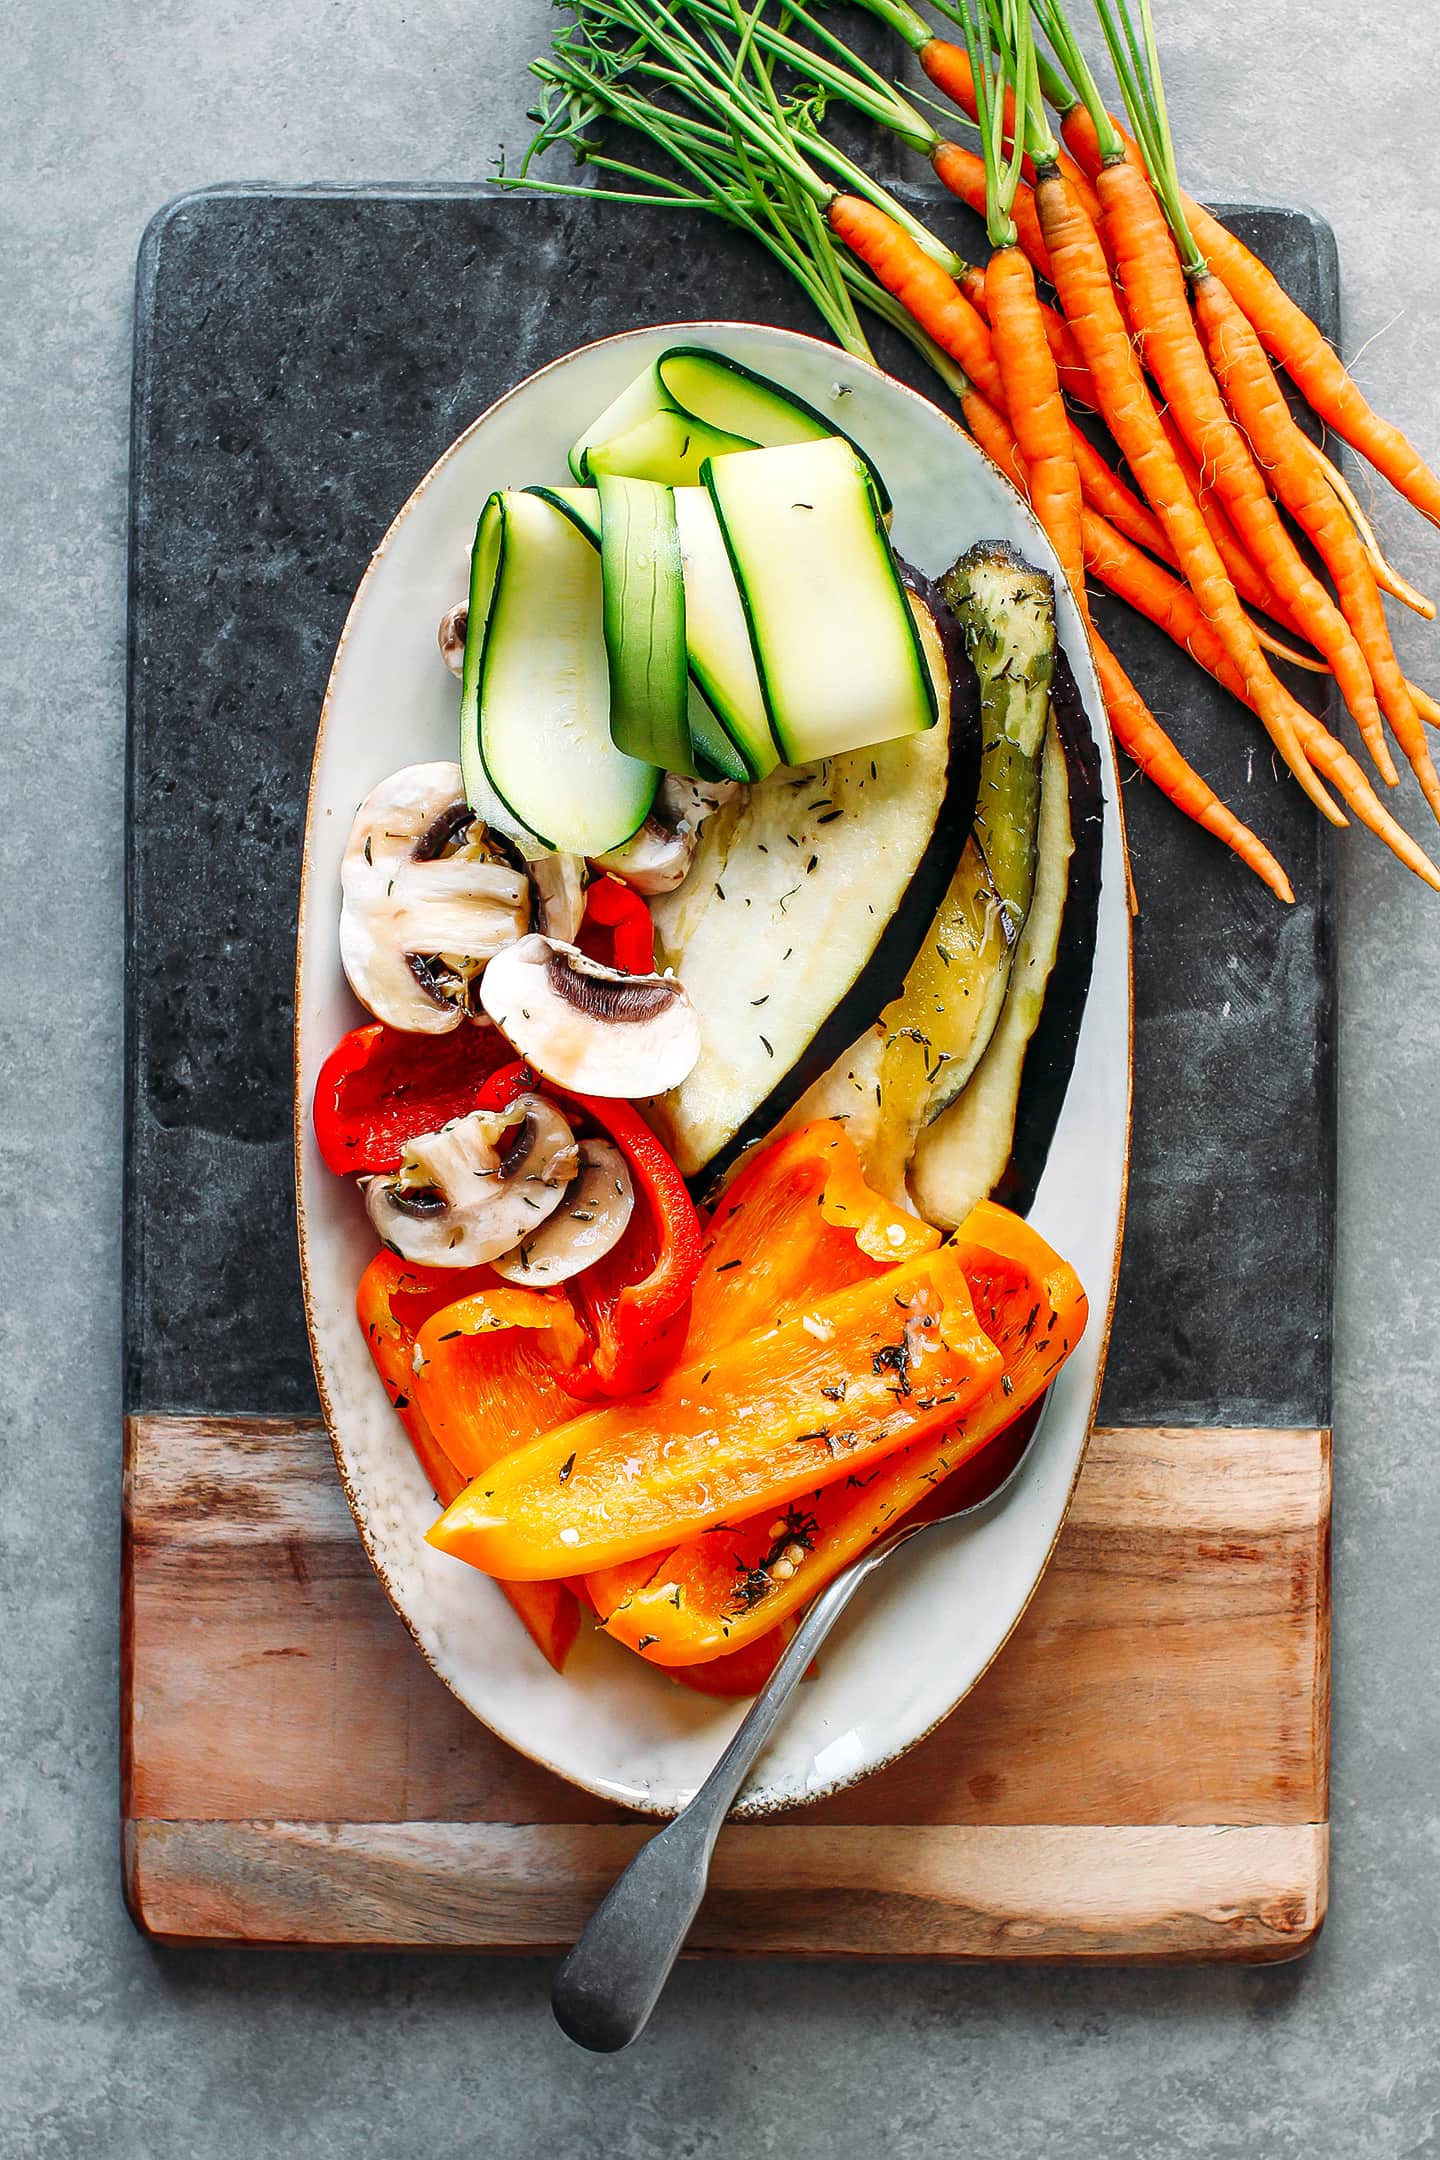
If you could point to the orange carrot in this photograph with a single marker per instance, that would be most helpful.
(1289, 336)
(1256, 400)
(1073, 373)
(930, 295)
(1114, 554)
(1071, 369)
(1331, 757)
(1249, 582)
(1387, 577)
(1314, 366)
(1143, 739)
(1104, 490)
(1335, 762)
(963, 173)
(1425, 705)
(1158, 595)
(1107, 493)
(1078, 129)
(1239, 567)
(1083, 282)
(926, 290)
(948, 67)
(1154, 592)
(1036, 409)
(995, 436)
(1156, 303)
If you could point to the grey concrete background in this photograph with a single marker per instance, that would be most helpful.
(108, 2048)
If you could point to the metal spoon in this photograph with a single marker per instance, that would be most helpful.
(613, 1978)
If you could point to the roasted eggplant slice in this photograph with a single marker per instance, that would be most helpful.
(961, 1156)
(915, 1060)
(805, 905)
(993, 1142)
(1006, 611)
(1050, 1059)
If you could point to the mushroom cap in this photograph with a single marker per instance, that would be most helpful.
(477, 1187)
(590, 1027)
(653, 860)
(686, 803)
(590, 1221)
(657, 858)
(451, 636)
(403, 901)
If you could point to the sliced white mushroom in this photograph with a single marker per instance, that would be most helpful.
(653, 860)
(589, 1222)
(591, 1027)
(453, 625)
(557, 883)
(657, 857)
(685, 802)
(477, 1186)
(426, 900)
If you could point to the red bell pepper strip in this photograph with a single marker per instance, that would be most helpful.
(637, 1299)
(739, 1672)
(613, 907)
(380, 1088)
(503, 1085)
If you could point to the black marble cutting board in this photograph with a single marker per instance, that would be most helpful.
(301, 358)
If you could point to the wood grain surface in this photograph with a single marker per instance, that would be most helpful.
(1142, 1774)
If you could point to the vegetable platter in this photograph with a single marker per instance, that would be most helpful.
(560, 1063)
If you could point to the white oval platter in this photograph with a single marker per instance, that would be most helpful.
(920, 1636)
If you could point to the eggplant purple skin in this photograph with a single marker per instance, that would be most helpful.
(1050, 1057)
(883, 974)
(952, 641)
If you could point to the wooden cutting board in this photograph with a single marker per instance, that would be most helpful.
(1143, 1774)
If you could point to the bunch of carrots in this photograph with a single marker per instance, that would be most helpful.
(1107, 291)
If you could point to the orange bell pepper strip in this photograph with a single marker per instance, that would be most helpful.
(487, 1373)
(712, 1596)
(869, 1369)
(484, 1381)
(394, 1302)
(550, 1612)
(798, 1220)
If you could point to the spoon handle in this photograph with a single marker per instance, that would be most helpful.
(612, 1979)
